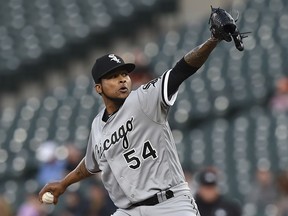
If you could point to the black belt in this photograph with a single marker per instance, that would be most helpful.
(154, 199)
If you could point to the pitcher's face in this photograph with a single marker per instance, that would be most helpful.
(115, 86)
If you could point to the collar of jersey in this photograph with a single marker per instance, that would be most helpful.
(106, 117)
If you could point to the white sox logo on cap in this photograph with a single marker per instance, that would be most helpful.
(114, 58)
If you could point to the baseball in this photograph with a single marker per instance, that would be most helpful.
(48, 198)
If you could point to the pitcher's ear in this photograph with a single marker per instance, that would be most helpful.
(98, 88)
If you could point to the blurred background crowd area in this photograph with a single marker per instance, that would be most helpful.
(231, 115)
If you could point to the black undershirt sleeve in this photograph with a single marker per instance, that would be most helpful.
(180, 72)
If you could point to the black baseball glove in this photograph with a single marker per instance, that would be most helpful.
(223, 27)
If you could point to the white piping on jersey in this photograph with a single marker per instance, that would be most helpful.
(165, 91)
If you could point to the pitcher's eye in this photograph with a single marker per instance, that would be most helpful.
(112, 76)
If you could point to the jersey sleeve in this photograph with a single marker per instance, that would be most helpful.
(90, 157)
(154, 99)
(168, 100)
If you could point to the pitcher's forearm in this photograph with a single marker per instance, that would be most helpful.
(197, 57)
(79, 173)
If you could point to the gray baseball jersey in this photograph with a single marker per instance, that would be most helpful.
(135, 149)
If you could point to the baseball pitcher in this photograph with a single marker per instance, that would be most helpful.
(131, 143)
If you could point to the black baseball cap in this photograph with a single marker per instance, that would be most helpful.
(208, 177)
(109, 63)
